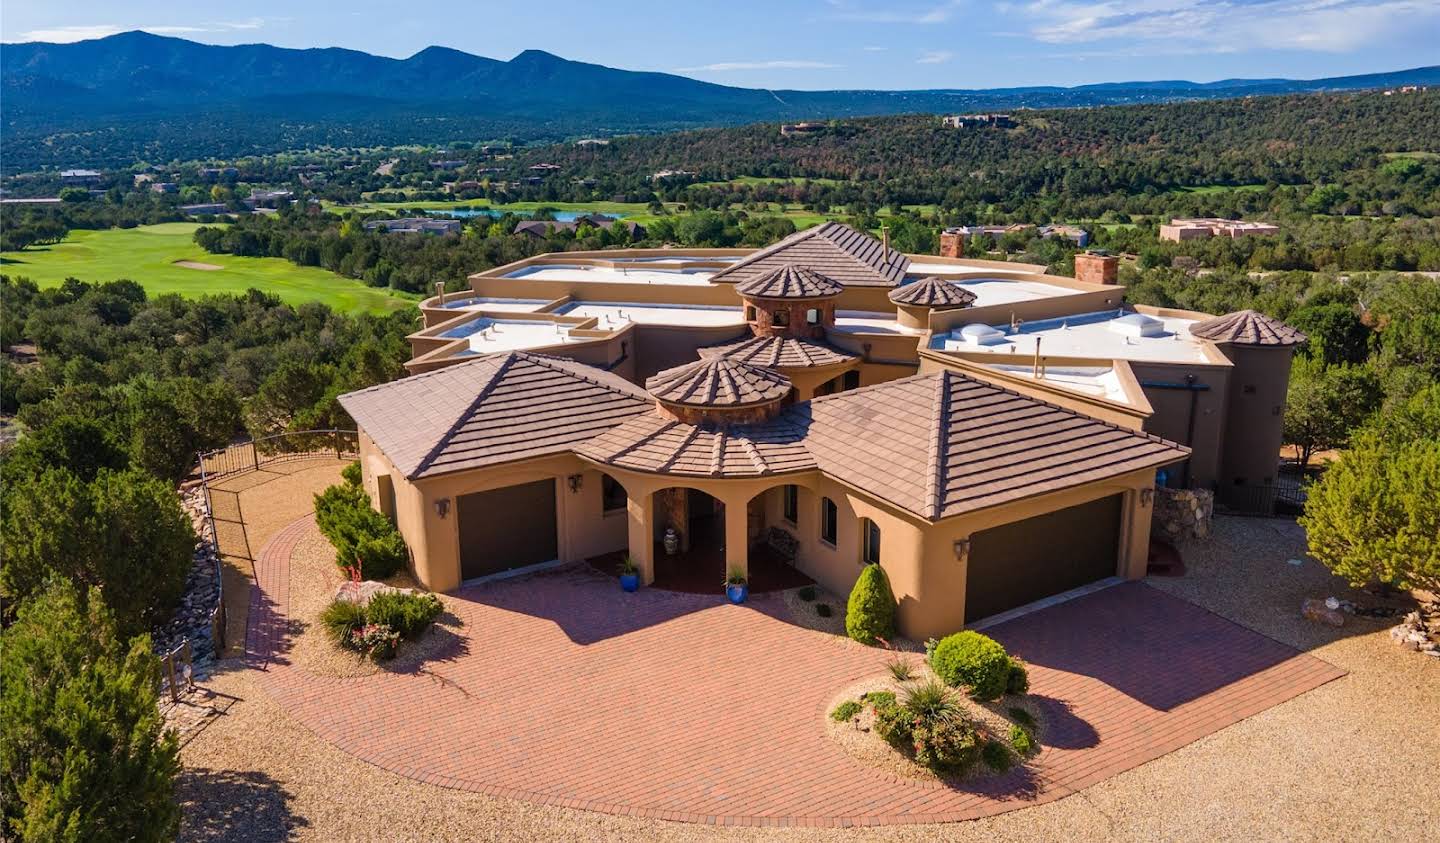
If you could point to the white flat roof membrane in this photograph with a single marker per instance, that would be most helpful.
(505, 305)
(616, 314)
(681, 258)
(1087, 335)
(1099, 381)
(990, 291)
(489, 335)
(869, 322)
(611, 275)
(920, 270)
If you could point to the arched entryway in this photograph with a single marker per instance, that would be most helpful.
(713, 536)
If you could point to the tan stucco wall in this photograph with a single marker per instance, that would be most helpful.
(1171, 416)
(1255, 414)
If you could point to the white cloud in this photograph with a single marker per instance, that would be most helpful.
(873, 49)
(70, 34)
(1177, 27)
(931, 13)
(935, 57)
(776, 64)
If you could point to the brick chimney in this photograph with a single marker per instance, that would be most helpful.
(1097, 267)
(952, 243)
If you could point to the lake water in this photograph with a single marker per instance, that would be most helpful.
(466, 213)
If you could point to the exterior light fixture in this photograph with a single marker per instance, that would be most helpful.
(1146, 496)
(442, 507)
(575, 481)
(962, 550)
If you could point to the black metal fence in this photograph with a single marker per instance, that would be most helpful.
(1283, 498)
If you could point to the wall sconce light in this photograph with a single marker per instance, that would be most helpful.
(1146, 496)
(962, 550)
(442, 507)
(575, 481)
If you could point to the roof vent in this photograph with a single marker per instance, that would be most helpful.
(976, 334)
(1138, 325)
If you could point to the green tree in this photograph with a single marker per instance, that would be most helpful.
(84, 756)
(870, 612)
(1326, 403)
(124, 533)
(1337, 335)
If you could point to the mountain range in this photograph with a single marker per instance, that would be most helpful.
(438, 93)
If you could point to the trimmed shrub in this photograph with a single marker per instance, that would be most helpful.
(1021, 741)
(824, 610)
(340, 619)
(974, 661)
(807, 593)
(870, 614)
(1017, 679)
(407, 614)
(383, 556)
(845, 711)
(892, 722)
(996, 756)
(344, 516)
(945, 745)
(351, 474)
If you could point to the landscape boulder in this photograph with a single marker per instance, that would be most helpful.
(1317, 610)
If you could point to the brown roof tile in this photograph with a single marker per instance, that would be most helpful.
(934, 293)
(652, 444)
(780, 353)
(496, 409)
(943, 444)
(1247, 327)
(790, 282)
(851, 257)
(718, 381)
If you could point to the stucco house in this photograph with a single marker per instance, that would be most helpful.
(988, 433)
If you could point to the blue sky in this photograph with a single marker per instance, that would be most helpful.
(819, 43)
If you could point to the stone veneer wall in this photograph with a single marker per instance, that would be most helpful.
(764, 323)
(721, 416)
(1182, 514)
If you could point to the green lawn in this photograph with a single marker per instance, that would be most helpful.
(148, 255)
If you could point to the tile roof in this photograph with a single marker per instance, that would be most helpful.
(943, 444)
(852, 257)
(496, 409)
(790, 282)
(780, 353)
(652, 444)
(1247, 327)
(718, 382)
(933, 292)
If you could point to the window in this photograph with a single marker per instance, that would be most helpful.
(829, 519)
(869, 542)
(852, 379)
(749, 313)
(792, 504)
(812, 316)
(612, 494)
(780, 317)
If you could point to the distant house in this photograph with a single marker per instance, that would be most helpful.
(967, 121)
(787, 129)
(540, 229)
(204, 208)
(268, 198)
(164, 187)
(218, 173)
(458, 186)
(1074, 233)
(592, 142)
(1201, 228)
(416, 225)
(82, 178)
(666, 175)
(447, 164)
(545, 169)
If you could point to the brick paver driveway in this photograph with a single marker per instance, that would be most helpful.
(563, 690)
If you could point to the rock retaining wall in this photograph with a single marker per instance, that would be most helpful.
(194, 617)
(1182, 514)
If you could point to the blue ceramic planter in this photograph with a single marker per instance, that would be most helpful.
(630, 582)
(737, 593)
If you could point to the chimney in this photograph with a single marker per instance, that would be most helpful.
(1097, 267)
(885, 236)
(952, 243)
(440, 291)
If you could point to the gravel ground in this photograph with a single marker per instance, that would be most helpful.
(1353, 759)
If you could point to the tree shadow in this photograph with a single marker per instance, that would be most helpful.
(233, 805)
(1063, 729)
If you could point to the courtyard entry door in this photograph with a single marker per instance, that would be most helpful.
(506, 528)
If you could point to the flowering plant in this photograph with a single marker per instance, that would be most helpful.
(376, 640)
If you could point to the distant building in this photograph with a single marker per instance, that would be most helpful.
(540, 229)
(665, 175)
(268, 198)
(592, 142)
(218, 173)
(1074, 233)
(204, 208)
(83, 178)
(1202, 228)
(787, 129)
(447, 164)
(544, 168)
(967, 121)
(164, 187)
(416, 225)
(952, 240)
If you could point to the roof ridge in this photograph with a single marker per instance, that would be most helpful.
(690, 437)
(939, 411)
(444, 439)
(756, 459)
(550, 362)
(717, 453)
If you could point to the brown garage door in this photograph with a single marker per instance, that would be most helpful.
(506, 528)
(1015, 564)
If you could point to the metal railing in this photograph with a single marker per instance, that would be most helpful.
(252, 456)
(1285, 497)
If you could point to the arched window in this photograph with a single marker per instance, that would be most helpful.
(780, 317)
(812, 316)
(869, 542)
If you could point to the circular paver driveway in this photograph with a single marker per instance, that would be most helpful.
(564, 690)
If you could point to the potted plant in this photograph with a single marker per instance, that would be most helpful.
(629, 574)
(736, 587)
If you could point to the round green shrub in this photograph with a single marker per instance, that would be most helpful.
(945, 745)
(870, 614)
(996, 756)
(407, 614)
(381, 556)
(974, 661)
(1021, 741)
(1017, 680)
(351, 473)
(845, 711)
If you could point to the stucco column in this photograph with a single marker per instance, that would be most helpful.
(640, 511)
(737, 537)
(1135, 546)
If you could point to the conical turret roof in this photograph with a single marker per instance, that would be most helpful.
(790, 281)
(934, 293)
(718, 382)
(1247, 327)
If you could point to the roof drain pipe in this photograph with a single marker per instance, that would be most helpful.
(1190, 385)
(1038, 371)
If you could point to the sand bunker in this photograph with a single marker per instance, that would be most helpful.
(208, 267)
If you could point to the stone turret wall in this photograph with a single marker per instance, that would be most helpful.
(1182, 514)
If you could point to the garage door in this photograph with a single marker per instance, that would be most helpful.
(506, 528)
(1018, 563)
